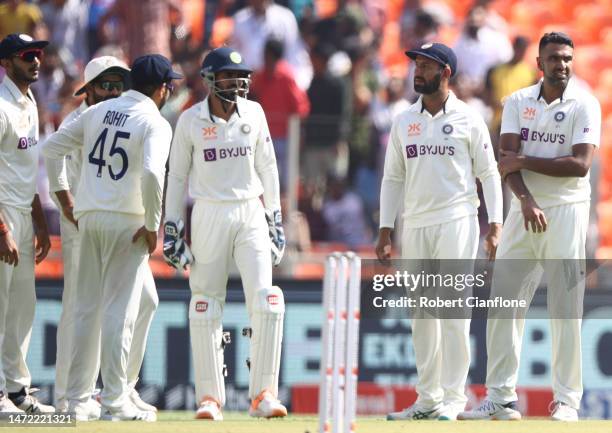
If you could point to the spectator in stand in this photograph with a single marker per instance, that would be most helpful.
(505, 79)
(66, 21)
(274, 87)
(325, 149)
(421, 29)
(144, 25)
(51, 78)
(344, 216)
(479, 47)
(262, 20)
(18, 16)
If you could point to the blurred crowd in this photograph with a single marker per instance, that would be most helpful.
(339, 66)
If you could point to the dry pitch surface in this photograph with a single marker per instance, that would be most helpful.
(183, 422)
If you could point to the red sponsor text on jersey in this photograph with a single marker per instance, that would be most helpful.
(529, 113)
(414, 129)
(210, 132)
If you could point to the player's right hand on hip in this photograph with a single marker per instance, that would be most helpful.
(384, 246)
(149, 237)
(8, 249)
(176, 251)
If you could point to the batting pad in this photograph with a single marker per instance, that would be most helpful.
(268, 310)
(206, 335)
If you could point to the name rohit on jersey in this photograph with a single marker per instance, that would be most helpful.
(212, 154)
(542, 137)
(115, 118)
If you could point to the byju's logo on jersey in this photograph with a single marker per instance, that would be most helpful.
(414, 151)
(524, 134)
(26, 142)
(210, 155)
(529, 113)
(414, 129)
(210, 133)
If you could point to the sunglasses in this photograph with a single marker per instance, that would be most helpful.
(110, 85)
(30, 55)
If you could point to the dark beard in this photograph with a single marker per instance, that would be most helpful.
(430, 86)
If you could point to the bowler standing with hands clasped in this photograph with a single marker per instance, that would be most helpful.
(437, 148)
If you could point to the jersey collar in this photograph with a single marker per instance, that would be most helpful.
(571, 91)
(241, 109)
(19, 97)
(449, 106)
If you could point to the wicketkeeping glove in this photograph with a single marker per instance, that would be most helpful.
(176, 251)
(277, 235)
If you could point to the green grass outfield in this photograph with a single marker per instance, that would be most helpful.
(183, 422)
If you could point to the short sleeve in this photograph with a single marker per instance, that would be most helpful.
(510, 119)
(587, 123)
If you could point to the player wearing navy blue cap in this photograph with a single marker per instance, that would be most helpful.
(224, 147)
(125, 143)
(20, 56)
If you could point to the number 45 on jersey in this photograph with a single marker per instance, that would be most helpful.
(96, 156)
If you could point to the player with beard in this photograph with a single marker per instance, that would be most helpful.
(105, 78)
(21, 219)
(437, 148)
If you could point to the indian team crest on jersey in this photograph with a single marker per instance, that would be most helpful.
(447, 129)
(559, 116)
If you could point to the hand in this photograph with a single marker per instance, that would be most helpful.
(533, 215)
(277, 234)
(383, 246)
(176, 251)
(509, 162)
(68, 213)
(492, 240)
(149, 237)
(8, 249)
(66, 201)
(43, 245)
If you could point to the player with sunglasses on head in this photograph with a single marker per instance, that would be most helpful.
(105, 78)
(21, 219)
(224, 147)
(125, 143)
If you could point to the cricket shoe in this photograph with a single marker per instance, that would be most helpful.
(127, 412)
(61, 405)
(85, 411)
(209, 409)
(7, 406)
(267, 406)
(416, 412)
(560, 411)
(25, 401)
(140, 403)
(492, 411)
(450, 411)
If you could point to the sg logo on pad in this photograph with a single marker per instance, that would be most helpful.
(201, 306)
(210, 154)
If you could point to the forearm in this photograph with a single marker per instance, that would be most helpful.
(65, 199)
(564, 166)
(517, 185)
(38, 216)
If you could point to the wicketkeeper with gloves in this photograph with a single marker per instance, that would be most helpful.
(223, 146)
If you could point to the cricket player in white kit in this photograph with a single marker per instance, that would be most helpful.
(549, 133)
(105, 78)
(437, 148)
(21, 219)
(224, 147)
(118, 208)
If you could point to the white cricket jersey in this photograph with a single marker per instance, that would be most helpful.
(125, 143)
(550, 131)
(437, 159)
(69, 167)
(225, 161)
(18, 146)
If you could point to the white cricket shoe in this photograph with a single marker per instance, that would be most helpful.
(209, 409)
(30, 404)
(7, 406)
(493, 411)
(127, 412)
(140, 403)
(85, 411)
(562, 412)
(449, 412)
(416, 412)
(267, 406)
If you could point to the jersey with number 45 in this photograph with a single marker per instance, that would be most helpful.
(123, 142)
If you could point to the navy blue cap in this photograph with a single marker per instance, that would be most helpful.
(16, 42)
(152, 69)
(437, 52)
(224, 59)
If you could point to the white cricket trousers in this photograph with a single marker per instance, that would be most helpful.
(442, 346)
(110, 278)
(17, 303)
(564, 238)
(222, 233)
(65, 329)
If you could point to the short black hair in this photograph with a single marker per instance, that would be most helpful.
(555, 38)
(275, 47)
